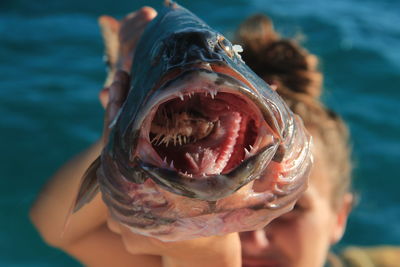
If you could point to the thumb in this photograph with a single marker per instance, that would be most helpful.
(118, 92)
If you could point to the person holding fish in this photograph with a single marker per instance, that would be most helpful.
(225, 169)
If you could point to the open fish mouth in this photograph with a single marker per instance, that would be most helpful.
(200, 128)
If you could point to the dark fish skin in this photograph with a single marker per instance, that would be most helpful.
(177, 48)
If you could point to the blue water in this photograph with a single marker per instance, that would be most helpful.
(51, 70)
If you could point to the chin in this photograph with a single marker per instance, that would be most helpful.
(262, 262)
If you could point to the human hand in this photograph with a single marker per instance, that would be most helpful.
(115, 96)
(121, 38)
(131, 29)
(218, 251)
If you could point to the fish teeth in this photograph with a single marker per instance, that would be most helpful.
(161, 141)
(251, 149)
(188, 174)
(180, 139)
(171, 165)
(181, 96)
(155, 139)
(164, 140)
(247, 153)
(213, 93)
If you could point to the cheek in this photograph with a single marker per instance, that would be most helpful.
(314, 230)
(304, 239)
(290, 236)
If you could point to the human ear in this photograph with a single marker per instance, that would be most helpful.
(342, 214)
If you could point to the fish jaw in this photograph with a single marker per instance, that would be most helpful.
(148, 209)
(203, 99)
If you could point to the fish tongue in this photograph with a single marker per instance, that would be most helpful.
(213, 154)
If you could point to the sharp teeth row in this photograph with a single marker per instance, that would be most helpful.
(170, 165)
(188, 174)
(175, 139)
(211, 92)
(248, 152)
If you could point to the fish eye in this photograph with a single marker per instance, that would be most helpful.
(225, 45)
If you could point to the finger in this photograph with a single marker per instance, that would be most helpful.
(145, 13)
(120, 87)
(103, 96)
(110, 28)
(132, 27)
(117, 94)
(113, 226)
(134, 23)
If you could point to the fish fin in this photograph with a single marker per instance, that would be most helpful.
(109, 27)
(88, 189)
(89, 186)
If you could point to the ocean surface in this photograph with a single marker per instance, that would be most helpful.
(51, 71)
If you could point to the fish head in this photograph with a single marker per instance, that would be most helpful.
(200, 128)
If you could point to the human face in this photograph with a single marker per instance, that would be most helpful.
(302, 237)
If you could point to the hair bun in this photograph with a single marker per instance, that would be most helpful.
(278, 61)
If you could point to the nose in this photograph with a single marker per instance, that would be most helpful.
(254, 242)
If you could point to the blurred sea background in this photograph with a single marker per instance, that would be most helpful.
(51, 71)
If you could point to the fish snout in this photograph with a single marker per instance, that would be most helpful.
(192, 47)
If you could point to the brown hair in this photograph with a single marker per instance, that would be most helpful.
(284, 64)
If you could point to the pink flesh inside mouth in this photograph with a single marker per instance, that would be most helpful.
(202, 133)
